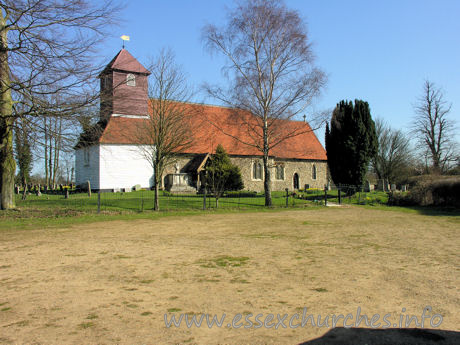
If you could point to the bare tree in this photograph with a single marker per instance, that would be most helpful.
(271, 73)
(167, 132)
(434, 129)
(23, 153)
(394, 153)
(46, 47)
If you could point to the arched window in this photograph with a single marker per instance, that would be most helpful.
(313, 172)
(257, 171)
(131, 79)
(279, 172)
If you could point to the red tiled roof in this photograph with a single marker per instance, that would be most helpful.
(124, 61)
(213, 125)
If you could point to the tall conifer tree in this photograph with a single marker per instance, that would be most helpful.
(351, 142)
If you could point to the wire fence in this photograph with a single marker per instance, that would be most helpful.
(140, 201)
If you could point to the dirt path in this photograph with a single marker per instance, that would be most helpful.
(113, 282)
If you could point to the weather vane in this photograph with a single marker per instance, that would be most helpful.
(124, 38)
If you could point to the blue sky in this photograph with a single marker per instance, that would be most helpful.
(378, 51)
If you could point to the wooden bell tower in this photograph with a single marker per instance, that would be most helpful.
(124, 88)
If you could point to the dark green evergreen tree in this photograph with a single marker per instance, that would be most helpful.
(351, 142)
(222, 175)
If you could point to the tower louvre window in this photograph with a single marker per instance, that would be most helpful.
(131, 80)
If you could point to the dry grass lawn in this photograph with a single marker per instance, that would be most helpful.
(107, 283)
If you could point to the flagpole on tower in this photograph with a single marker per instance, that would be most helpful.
(124, 38)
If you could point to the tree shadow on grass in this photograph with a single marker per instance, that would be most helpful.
(393, 336)
(436, 211)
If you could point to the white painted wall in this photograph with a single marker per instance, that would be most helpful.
(87, 166)
(112, 167)
(123, 166)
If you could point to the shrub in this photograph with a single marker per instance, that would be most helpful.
(446, 192)
(313, 190)
(429, 190)
(245, 194)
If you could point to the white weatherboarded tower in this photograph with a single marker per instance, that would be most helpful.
(109, 159)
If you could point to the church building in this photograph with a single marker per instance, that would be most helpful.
(109, 154)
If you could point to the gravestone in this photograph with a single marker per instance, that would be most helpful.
(380, 185)
(404, 188)
(307, 186)
(137, 187)
(367, 186)
(393, 187)
(179, 183)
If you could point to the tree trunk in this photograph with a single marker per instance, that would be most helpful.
(156, 205)
(46, 151)
(7, 162)
(24, 193)
(157, 181)
(267, 182)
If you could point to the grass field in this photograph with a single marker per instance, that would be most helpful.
(113, 282)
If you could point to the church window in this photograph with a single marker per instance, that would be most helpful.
(279, 172)
(257, 171)
(131, 80)
(313, 172)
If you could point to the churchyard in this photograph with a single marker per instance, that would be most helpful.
(113, 282)
(54, 208)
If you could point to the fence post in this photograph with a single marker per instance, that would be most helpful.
(89, 188)
(287, 197)
(99, 202)
(340, 195)
(204, 198)
(325, 195)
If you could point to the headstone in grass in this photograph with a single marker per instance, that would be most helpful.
(89, 188)
(404, 188)
(367, 186)
(137, 187)
(67, 193)
(393, 187)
